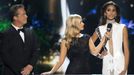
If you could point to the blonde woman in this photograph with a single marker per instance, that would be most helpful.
(76, 47)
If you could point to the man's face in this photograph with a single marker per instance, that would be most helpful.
(21, 18)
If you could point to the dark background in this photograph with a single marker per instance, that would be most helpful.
(44, 16)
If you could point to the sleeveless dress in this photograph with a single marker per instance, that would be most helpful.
(114, 63)
(78, 55)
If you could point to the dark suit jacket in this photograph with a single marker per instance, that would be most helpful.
(15, 53)
(0, 47)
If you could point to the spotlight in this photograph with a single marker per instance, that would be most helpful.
(131, 5)
(15, 0)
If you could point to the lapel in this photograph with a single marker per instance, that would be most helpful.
(16, 35)
(27, 36)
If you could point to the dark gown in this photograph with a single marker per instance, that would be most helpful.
(78, 55)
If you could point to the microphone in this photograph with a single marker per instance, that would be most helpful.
(109, 27)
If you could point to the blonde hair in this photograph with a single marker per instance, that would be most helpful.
(72, 28)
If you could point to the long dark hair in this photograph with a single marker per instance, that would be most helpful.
(103, 18)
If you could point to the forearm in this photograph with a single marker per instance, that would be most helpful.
(100, 45)
(63, 52)
(34, 58)
(9, 63)
(126, 54)
(56, 67)
(35, 51)
(126, 47)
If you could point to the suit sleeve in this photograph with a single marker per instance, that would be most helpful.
(5, 55)
(0, 46)
(35, 49)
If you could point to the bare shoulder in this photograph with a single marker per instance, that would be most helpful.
(125, 30)
(63, 41)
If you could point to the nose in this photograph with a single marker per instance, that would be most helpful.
(83, 23)
(26, 15)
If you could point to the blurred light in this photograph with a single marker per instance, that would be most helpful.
(31, 27)
(124, 21)
(51, 57)
(81, 2)
(0, 8)
(131, 5)
(131, 24)
(93, 11)
(44, 57)
(15, 0)
(9, 4)
(54, 61)
(65, 12)
(35, 22)
(4, 24)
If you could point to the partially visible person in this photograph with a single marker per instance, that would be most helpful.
(75, 46)
(20, 46)
(0, 49)
(0, 36)
(117, 59)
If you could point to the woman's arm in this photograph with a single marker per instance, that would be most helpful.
(94, 37)
(126, 48)
(95, 50)
(63, 52)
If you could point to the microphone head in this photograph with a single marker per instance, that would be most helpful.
(109, 27)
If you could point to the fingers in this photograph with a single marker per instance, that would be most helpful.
(108, 35)
(46, 73)
(24, 73)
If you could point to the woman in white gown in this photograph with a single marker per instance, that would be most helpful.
(117, 58)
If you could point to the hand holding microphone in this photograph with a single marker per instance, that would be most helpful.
(108, 33)
(107, 36)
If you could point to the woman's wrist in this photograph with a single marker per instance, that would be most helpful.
(104, 41)
(107, 37)
(51, 72)
(125, 69)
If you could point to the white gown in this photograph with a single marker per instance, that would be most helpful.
(116, 62)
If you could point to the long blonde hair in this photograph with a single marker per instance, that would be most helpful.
(72, 28)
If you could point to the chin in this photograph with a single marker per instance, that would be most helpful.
(111, 19)
(82, 29)
(25, 22)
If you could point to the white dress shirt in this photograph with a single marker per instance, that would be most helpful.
(21, 33)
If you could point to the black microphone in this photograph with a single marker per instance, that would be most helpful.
(109, 27)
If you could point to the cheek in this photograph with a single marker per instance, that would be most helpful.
(115, 14)
(82, 26)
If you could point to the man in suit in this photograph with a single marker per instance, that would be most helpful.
(0, 49)
(20, 46)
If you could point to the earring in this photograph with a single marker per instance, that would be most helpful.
(104, 17)
(115, 17)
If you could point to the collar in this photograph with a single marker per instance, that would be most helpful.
(111, 21)
(16, 27)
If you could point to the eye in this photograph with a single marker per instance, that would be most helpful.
(114, 10)
(108, 10)
(81, 22)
